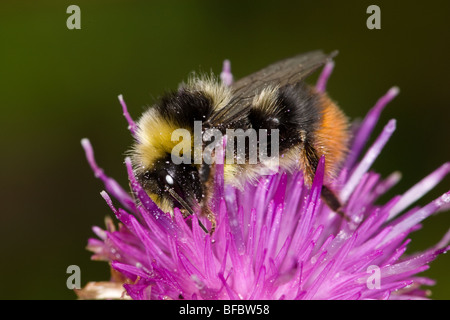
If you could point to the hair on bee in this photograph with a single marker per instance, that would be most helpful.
(307, 123)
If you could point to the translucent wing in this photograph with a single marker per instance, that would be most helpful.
(281, 73)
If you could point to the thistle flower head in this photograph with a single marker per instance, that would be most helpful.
(275, 239)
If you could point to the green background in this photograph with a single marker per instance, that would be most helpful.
(58, 86)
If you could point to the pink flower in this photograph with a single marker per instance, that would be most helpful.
(274, 240)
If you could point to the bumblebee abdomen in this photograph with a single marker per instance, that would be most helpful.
(291, 109)
(332, 136)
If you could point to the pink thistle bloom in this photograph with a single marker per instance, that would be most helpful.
(276, 239)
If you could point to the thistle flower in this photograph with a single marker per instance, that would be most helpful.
(275, 239)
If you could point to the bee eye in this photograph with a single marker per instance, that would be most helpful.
(169, 180)
(162, 178)
(166, 180)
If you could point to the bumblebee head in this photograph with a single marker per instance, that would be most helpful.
(169, 183)
(172, 185)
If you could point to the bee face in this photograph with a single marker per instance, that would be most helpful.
(171, 185)
(308, 126)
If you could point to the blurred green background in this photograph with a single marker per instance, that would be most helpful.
(58, 86)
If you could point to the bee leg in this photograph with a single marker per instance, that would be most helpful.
(213, 226)
(185, 213)
(212, 218)
(310, 160)
(333, 202)
(207, 176)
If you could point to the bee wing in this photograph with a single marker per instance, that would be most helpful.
(281, 73)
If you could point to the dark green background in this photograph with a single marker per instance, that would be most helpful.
(58, 86)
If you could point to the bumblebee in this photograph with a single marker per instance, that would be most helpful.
(308, 123)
